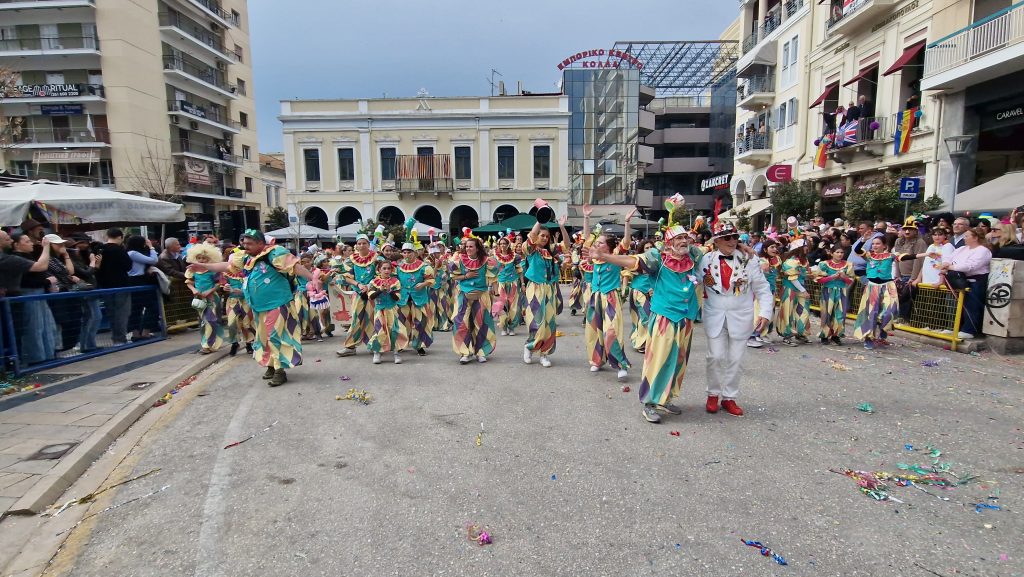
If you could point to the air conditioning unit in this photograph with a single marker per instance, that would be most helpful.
(193, 125)
(234, 89)
(174, 119)
(221, 65)
(214, 27)
(227, 135)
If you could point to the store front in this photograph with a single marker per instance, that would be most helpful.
(995, 111)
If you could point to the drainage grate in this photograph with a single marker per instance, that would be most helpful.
(50, 452)
(138, 386)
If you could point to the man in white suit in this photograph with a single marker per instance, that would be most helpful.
(732, 280)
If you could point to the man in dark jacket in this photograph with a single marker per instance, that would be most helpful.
(113, 273)
(171, 262)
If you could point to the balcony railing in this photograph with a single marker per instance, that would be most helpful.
(215, 7)
(915, 125)
(25, 136)
(57, 91)
(209, 112)
(792, 6)
(424, 173)
(220, 152)
(207, 74)
(754, 142)
(41, 3)
(756, 85)
(50, 44)
(997, 31)
(194, 30)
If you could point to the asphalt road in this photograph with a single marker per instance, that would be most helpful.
(568, 478)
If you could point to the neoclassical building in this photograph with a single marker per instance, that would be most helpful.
(447, 162)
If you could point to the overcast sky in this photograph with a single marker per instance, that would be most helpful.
(366, 48)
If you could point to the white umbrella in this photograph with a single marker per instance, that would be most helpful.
(349, 231)
(301, 231)
(64, 202)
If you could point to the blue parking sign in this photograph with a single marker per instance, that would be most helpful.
(910, 188)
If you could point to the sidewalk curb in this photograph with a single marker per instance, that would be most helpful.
(53, 484)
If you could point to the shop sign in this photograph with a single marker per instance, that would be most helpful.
(65, 156)
(48, 90)
(833, 190)
(601, 58)
(779, 173)
(61, 109)
(895, 16)
(197, 171)
(719, 182)
(192, 109)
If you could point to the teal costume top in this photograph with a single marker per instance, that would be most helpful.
(642, 283)
(267, 281)
(675, 284)
(541, 267)
(605, 278)
(508, 272)
(300, 285)
(387, 288)
(463, 264)
(363, 269)
(827, 268)
(411, 274)
(204, 281)
(236, 286)
(793, 272)
(879, 269)
(772, 274)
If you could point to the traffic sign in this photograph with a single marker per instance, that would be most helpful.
(910, 188)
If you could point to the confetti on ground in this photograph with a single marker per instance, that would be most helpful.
(625, 388)
(170, 395)
(360, 396)
(554, 477)
(908, 447)
(345, 378)
(836, 365)
(930, 363)
(876, 484)
(112, 507)
(477, 534)
(54, 510)
(767, 552)
(866, 408)
(859, 358)
(252, 436)
(559, 334)
(674, 433)
(979, 507)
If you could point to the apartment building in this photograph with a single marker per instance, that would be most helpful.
(150, 97)
(448, 162)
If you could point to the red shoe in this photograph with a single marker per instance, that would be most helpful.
(712, 406)
(732, 408)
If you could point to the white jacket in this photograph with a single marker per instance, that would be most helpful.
(735, 306)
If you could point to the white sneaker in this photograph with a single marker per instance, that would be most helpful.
(481, 358)
(512, 333)
(544, 361)
(527, 355)
(946, 332)
(963, 335)
(398, 359)
(764, 340)
(622, 374)
(463, 359)
(504, 333)
(754, 343)
(376, 358)
(594, 368)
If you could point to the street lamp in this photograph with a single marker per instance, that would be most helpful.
(958, 147)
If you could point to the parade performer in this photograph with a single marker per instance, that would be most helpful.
(301, 297)
(416, 276)
(674, 308)
(835, 277)
(442, 293)
(474, 332)
(542, 275)
(879, 302)
(794, 318)
(732, 280)
(206, 302)
(359, 270)
(239, 314)
(640, 290)
(319, 301)
(267, 285)
(576, 302)
(389, 332)
(509, 286)
(771, 262)
(604, 333)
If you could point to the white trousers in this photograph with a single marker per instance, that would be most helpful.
(725, 353)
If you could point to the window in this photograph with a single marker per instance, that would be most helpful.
(424, 151)
(346, 164)
(248, 184)
(245, 152)
(506, 162)
(236, 17)
(270, 195)
(780, 116)
(463, 163)
(542, 162)
(23, 168)
(241, 86)
(311, 162)
(238, 53)
(790, 70)
(791, 112)
(387, 164)
(243, 119)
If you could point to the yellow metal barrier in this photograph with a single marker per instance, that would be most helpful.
(178, 310)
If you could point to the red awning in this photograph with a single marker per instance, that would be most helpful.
(829, 90)
(861, 74)
(908, 55)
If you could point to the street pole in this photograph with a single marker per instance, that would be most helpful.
(956, 186)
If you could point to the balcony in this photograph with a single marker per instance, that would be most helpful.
(858, 15)
(984, 50)
(646, 122)
(210, 152)
(48, 93)
(214, 10)
(62, 5)
(424, 173)
(206, 78)
(859, 138)
(214, 117)
(194, 34)
(678, 165)
(754, 149)
(59, 46)
(60, 138)
(756, 93)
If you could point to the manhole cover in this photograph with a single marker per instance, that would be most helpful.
(52, 452)
(138, 386)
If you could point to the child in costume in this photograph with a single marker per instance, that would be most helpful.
(879, 303)
(389, 332)
(604, 333)
(359, 270)
(771, 262)
(239, 314)
(207, 300)
(319, 301)
(794, 316)
(641, 290)
(416, 276)
(835, 276)
(509, 285)
(302, 299)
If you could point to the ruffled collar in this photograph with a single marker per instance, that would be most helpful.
(384, 283)
(836, 265)
(587, 266)
(472, 263)
(411, 266)
(363, 260)
(677, 264)
(250, 261)
(774, 260)
(505, 259)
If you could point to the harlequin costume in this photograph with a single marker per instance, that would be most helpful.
(879, 302)
(389, 332)
(414, 311)
(640, 291)
(239, 314)
(834, 298)
(474, 332)
(542, 274)
(442, 295)
(604, 333)
(509, 291)
(793, 318)
(576, 302)
(211, 333)
(770, 267)
(360, 270)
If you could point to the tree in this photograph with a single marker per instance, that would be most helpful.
(152, 174)
(793, 198)
(743, 219)
(881, 201)
(277, 218)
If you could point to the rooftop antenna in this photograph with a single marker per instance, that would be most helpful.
(491, 81)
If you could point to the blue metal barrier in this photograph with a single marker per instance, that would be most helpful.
(47, 330)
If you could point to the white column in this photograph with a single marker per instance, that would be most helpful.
(365, 161)
(292, 169)
(562, 161)
(484, 172)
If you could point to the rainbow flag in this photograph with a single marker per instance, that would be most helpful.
(904, 125)
(820, 157)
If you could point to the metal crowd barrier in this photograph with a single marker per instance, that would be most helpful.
(43, 331)
(178, 308)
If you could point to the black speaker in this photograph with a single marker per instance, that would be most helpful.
(228, 230)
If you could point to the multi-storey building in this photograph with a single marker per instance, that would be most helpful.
(974, 63)
(151, 97)
(448, 162)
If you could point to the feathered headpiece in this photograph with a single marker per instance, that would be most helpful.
(411, 234)
(672, 227)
